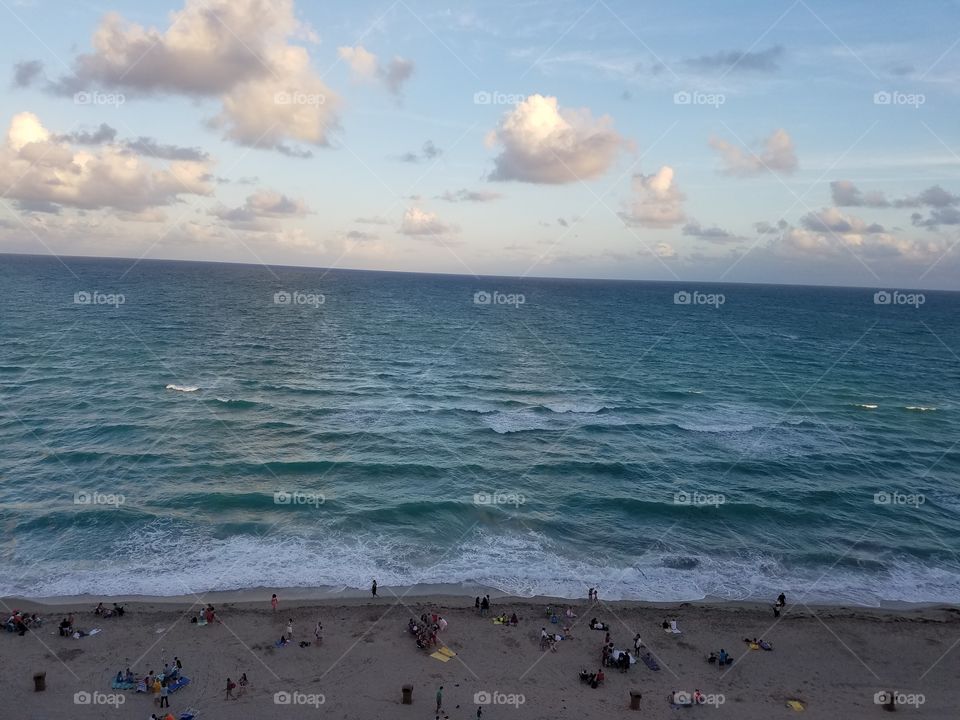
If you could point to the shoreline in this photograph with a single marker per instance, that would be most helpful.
(448, 593)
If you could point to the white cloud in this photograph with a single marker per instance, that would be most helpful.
(545, 144)
(833, 220)
(37, 169)
(775, 154)
(237, 50)
(657, 202)
(421, 222)
(365, 66)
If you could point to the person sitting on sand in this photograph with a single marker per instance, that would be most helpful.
(514, 620)
(118, 610)
(698, 697)
(600, 677)
(119, 678)
(128, 678)
(243, 684)
(722, 657)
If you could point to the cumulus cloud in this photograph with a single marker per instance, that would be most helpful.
(361, 236)
(543, 143)
(40, 170)
(938, 216)
(832, 220)
(236, 50)
(846, 194)
(464, 195)
(934, 196)
(713, 234)
(365, 66)
(657, 202)
(260, 211)
(776, 154)
(764, 61)
(808, 241)
(418, 222)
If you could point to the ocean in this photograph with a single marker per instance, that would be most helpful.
(170, 428)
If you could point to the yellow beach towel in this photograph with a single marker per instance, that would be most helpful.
(795, 705)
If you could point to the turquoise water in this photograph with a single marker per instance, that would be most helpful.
(595, 434)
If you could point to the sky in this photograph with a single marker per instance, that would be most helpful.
(769, 142)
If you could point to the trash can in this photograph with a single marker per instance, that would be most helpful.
(39, 682)
(635, 696)
(408, 694)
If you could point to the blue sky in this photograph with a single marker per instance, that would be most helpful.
(802, 141)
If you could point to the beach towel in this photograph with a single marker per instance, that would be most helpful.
(795, 705)
(650, 662)
(180, 682)
(673, 628)
(498, 621)
(616, 655)
(122, 685)
(141, 686)
(447, 651)
(189, 714)
(440, 656)
(764, 645)
(280, 644)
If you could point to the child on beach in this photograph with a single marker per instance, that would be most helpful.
(243, 684)
(373, 588)
(273, 602)
(318, 632)
(290, 629)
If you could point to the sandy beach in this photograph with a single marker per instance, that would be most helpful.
(833, 660)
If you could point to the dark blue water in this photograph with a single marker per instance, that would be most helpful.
(598, 434)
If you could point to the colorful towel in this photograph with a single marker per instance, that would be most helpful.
(650, 662)
(795, 705)
(122, 685)
(180, 682)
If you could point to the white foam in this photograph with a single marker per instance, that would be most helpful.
(182, 388)
(523, 564)
(866, 406)
(919, 408)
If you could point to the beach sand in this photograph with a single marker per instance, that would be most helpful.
(832, 659)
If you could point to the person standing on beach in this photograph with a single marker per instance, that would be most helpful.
(290, 629)
(273, 602)
(373, 588)
(439, 699)
(318, 633)
(230, 686)
(476, 604)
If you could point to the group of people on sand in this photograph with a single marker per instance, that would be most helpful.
(115, 611)
(20, 622)
(242, 683)
(427, 629)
